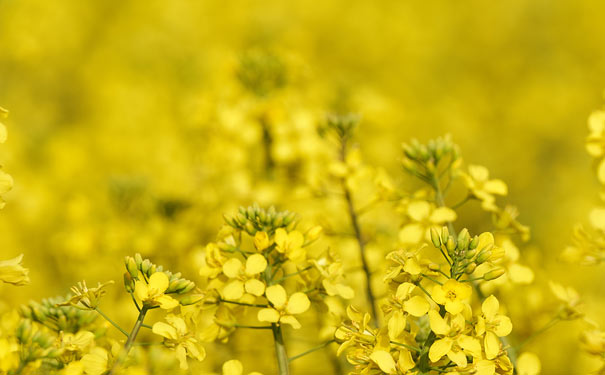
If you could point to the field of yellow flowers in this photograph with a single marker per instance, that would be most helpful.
(301, 187)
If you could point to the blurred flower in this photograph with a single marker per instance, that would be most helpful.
(85, 298)
(177, 336)
(12, 272)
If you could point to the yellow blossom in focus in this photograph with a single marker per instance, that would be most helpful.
(244, 278)
(177, 336)
(152, 293)
(492, 325)
(283, 308)
(452, 294)
(290, 244)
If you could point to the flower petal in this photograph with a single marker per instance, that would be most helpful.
(255, 264)
(384, 360)
(276, 294)
(268, 315)
(298, 303)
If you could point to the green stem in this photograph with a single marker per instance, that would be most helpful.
(358, 235)
(418, 350)
(129, 343)
(466, 199)
(293, 274)
(111, 321)
(319, 347)
(546, 327)
(251, 327)
(280, 349)
(243, 303)
(433, 280)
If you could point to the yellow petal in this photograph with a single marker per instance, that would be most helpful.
(6, 182)
(396, 324)
(291, 320)
(296, 239)
(404, 290)
(159, 282)
(268, 315)
(298, 303)
(412, 267)
(419, 210)
(437, 323)
(416, 306)
(492, 345)
(255, 264)
(520, 274)
(440, 348)
(166, 302)
(405, 362)
(384, 360)
(412, 234)
(95, 362)
(261, 241)
(458, 358)
(442, 215)
(504, 326)
(439, 294)
(281, 238)
(471, 345)
(234, 290)
(232, 267)
(181, 355)
(485, 367)
(490, 307)
(255, 287)
(165, 330)
(528, 364)
(601, 172)
(3, 133)
(141, 291)
(233, 367)
(597, 218)
(478, 173)
(496, 187)
(345, 291)
(276, 294)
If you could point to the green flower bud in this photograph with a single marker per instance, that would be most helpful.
(494, 274)
(483, 256)
(445, 234)
(474, 243)
(128, 282)
(450, 244)
(463, 239)
(470, 268)
(435, 237)
(470, 253)
(138, 260)
(191, 299)
(132, 268)
(146, 266)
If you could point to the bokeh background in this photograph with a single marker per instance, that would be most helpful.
(130, 131)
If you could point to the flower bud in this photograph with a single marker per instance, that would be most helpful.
(191, 299)
(470, 268)
(450, 244)
(435, 237)
(314, 233)
(138, 260)
(132, 268)
(445, 234)
(494, 274)
(474, 243)
(463, 239)
(483, 256)
(128, 282)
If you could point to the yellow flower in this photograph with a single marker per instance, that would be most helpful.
(245, 277)
(481, 187)
(290, 244)
(73, 345)
(334, 282)
(85, 298)
(404, 302)
(528, 364)
(451, 341)
(152, 293)
(12, 272)
(452, 294)
(492, 325)
(213, 261)
(261, 240)
(423, 215)
(95, 362)
(283, 308)
(177, 336)
(384, 360)
(570, 298)
(235, 367)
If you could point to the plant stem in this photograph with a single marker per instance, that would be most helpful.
(280, 349)
(129, 343)
(243, 303)
(358, 235)
(546, 327)
(111, 321)
(406, 346)
(319, 347)
(251, 327)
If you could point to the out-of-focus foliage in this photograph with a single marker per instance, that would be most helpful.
(135, 126)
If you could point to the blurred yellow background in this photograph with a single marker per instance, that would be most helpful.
(129, 130)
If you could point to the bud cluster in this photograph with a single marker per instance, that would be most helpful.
(36, 344)
(467, 253)
(256, 219)
(137, 267)
(50, 313)
(341, 125)
(425, 158)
